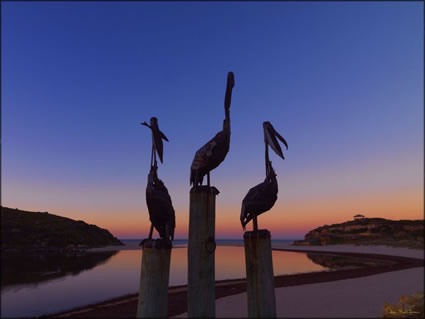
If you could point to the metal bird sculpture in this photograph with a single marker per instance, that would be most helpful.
(213, 153)
(157, 137)
(160, 207)
(161, 211)
(259, 199)
(262, 197)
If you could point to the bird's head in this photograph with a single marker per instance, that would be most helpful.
(270, 135)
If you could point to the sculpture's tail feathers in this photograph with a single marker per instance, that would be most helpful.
(170, 231)
(173, 224)
(195, 178)
(243, 216)
(192, 177)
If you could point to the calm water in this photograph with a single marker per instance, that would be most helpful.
(38, 285)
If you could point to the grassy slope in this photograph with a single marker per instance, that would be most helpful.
(32, 230)
(369, 231)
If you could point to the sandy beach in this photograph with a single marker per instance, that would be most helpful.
(342, 293)
(359, 297)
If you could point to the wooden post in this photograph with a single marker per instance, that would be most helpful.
(259, 274)
(201, 250)
(153, 290)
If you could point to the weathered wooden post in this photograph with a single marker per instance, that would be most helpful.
(153, 290)
(201, 250)
(259, 274)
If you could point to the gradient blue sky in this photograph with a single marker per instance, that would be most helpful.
(341, 81)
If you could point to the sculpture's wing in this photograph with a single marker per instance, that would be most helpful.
(259, 199)
(247, 204)
(202, 162)
(254, 194)
(161, 210)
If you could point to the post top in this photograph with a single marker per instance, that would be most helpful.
(204, 189)
(159, 243)
(261, 233)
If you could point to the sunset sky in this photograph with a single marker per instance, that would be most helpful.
(342, 82)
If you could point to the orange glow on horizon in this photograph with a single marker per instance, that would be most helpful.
(289, 218)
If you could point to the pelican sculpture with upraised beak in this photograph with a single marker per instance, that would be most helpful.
(262, 197)
(213, 153)
(158, 200)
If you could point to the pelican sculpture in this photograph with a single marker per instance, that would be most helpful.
(161, 211)
(157, 137)
(262, 197)
(160, 207)
(213, 153)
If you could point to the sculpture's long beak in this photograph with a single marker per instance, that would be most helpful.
(230, 80)
(270, 135)
(163, 136)
(229, 87)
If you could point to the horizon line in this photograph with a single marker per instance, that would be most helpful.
(216, 238)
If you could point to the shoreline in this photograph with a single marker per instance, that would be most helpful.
(126, 306)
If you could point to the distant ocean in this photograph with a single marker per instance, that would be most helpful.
(183, 242)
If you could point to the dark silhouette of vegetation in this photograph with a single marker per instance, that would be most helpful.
(369, 231)
(35, 230)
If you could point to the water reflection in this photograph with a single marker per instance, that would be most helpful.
(33, 269)
(53, 284)
(335, 262)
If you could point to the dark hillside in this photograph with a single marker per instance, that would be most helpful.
(34, 230)
(368, 231)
